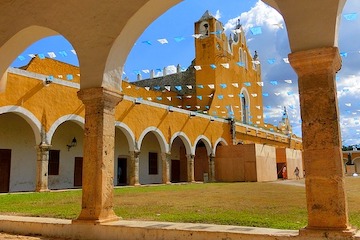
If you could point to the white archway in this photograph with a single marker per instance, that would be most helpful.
(30, 118)
(356, 162)
(71, 117)
(186, 141)
(122, 45)
(219, 140)
(17, 44)
(128, 134)
(206, 141)
(159, 135)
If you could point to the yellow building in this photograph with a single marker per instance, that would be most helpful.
(166, 131)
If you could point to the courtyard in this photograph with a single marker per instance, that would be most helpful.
(279, 205)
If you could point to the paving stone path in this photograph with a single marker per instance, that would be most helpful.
(5, 236)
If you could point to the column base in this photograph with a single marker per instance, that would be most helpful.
(333, 234)
(96, 221)
(42, 190)
(135, 184)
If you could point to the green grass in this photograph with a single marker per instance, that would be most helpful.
(270, 205)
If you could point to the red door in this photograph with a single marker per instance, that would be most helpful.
(5, 164)
(78, 172)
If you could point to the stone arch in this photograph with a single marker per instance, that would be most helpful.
(30, 118)
(17, 43)
(356, 162)
(245, 105)
(185, 139)
(130, 136)
(159, 135)
(206, 141)
(320, 31)
(219, 140)
(125, 40)
(71, 117)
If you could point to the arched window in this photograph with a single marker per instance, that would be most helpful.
(219, 29)
(241, 57)
(204, 29)
(245, 106)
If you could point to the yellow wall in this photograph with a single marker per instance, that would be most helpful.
(49, 103)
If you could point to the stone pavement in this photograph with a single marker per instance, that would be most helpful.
(5, 236)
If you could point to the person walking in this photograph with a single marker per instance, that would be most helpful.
(297, 172)
(284, 172)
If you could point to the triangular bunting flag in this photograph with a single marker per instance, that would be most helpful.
(147, 42)
(163, 41)
(51, 54)
(213, 66)
(196, 35)
(225, 65)
(223, 85)
(179, 39)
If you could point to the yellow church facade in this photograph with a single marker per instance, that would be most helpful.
(215, 132)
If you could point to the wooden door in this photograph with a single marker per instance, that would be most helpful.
(5, 164)
(122, 171)
(175, 171)
(78, 171)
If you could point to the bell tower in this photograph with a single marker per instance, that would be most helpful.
(226, 76)
(209, 47)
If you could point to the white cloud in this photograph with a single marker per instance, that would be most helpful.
(260, 15)
(218, 14)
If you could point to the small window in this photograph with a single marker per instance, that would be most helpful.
(204, 29)
(153, 163)
(54, 162)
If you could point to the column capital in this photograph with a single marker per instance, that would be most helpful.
(109, 97)
(43, 146)
(166, 154)
(316, 61)
(191, 156)
(136, 153)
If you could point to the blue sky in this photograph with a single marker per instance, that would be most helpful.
(280, 81)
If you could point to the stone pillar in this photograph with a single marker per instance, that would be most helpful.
(42, 166)
(165, 159)
(325, 192)
(212, 168)
(190, 168)
(133, 168)
(98, 164)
